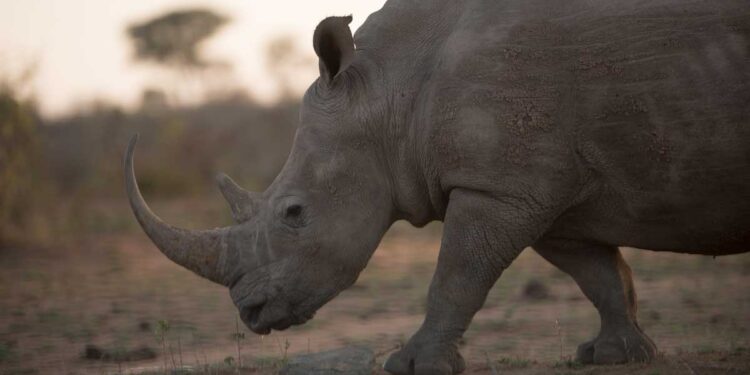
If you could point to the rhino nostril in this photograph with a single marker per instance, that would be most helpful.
(251, 314)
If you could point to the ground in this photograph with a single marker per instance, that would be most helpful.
(112, 291)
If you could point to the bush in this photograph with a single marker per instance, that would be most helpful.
(17, 149)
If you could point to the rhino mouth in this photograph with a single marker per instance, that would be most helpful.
(250, 315)
(261, 318)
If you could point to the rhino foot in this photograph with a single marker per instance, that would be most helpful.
(416, 358)
(633, 346)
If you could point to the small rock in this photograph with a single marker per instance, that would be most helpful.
(654, 315)
(144, 326)
(356, 360)
(92, 352)
(118, 355)
(691, 302)
(716, 318)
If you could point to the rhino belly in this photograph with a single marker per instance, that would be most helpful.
(704, 224)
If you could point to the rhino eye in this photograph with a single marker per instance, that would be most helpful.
(294, 216)
(293, 211)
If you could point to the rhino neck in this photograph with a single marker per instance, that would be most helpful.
(402, 130)
(399, 43)
(417, 196)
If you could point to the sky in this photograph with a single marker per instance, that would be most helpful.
(82, 53)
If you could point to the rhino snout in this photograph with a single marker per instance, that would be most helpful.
(261, 318)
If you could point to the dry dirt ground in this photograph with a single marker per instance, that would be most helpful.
(114, 291)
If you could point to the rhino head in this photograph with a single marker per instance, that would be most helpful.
(308, 236)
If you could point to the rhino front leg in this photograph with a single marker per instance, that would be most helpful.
(606, 280)
(481, 238)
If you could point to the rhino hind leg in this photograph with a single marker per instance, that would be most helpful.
(606, 280)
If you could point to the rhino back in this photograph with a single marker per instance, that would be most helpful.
(659, 100)
(662, 115)
(649, 98)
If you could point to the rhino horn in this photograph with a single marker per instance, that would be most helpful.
(201, 251)
(241, 201)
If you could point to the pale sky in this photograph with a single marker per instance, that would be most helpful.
(83, 53)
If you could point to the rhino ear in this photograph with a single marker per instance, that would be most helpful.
(334, 45)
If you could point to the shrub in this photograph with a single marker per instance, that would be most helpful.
(17, 150)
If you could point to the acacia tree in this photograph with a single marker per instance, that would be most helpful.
(173, 41)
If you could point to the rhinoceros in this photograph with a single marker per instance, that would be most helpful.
(573, 128)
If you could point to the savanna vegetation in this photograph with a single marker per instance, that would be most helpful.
(18, 143)
(82, 290)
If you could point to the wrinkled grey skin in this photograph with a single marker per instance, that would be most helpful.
(572, 128)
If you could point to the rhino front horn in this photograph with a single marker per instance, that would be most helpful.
(203, 252)
(241, 201)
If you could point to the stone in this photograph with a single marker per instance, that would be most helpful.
(356, 360)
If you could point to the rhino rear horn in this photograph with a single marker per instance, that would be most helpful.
(204, 252)
(241, 201)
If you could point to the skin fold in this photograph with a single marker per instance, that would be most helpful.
(571, 127)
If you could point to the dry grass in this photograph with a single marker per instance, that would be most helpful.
(110, 289)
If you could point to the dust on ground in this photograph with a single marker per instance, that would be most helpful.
(115, 292)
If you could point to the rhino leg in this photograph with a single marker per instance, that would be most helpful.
(606, 280)
(481, 237)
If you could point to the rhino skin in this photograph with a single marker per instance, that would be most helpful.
(571, 127)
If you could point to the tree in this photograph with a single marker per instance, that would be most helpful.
(173, 41)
